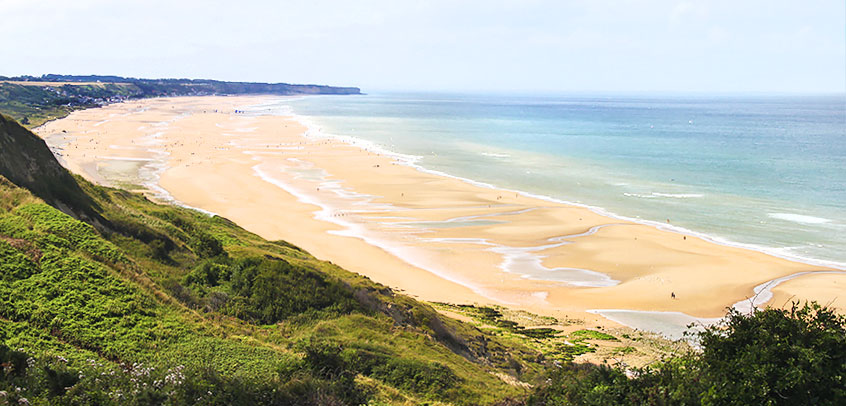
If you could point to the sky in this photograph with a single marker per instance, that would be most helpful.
(735, 46)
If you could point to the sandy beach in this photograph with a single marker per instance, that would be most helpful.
(434, 237)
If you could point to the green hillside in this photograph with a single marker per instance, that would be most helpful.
(33, 105)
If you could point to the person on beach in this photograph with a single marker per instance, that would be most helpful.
(672, 295)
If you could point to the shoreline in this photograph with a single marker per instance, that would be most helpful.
(534, 295)
(411, 161)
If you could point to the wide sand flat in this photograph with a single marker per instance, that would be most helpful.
(435, 237)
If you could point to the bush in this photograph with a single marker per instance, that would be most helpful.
(14, 264)
(421, 377)
(795, 356)
(325, 362)
(206, 246)
(776, 356)
(271, 290)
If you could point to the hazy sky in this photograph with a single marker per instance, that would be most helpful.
(646, 45)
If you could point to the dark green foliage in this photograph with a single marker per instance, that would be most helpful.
(266, 290)
(205, 246)
(495, 318)
(324, 361)
(58, 381)
(795, 356)
(277, 290)
(420, 377)
(776, 356)
(208, 273)
(538, 333)
(14, 363)
(159, 250)
(332, 361)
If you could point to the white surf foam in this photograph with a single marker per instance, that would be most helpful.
(655, 195)
(678, 195)
(357, 230)
(799, 218)
(495, 155)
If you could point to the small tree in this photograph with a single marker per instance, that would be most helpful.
(793, 356)
(777, 357)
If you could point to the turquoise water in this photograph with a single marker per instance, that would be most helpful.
(764, 172)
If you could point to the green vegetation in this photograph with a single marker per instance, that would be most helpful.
(591, 335)
(493, 317)
(34, 104)
(624, 350)
(793, 356)
(529, 331)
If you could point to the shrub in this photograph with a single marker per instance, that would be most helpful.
(417, 376)
(776, 356)
(270, 290)
(592, 335)
(205, 245)
(14, 264)
(770, 357)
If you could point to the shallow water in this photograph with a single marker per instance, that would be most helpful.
(761, 172)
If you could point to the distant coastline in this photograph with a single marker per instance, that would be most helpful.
(34, 100)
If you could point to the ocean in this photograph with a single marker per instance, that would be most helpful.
(761, 172)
